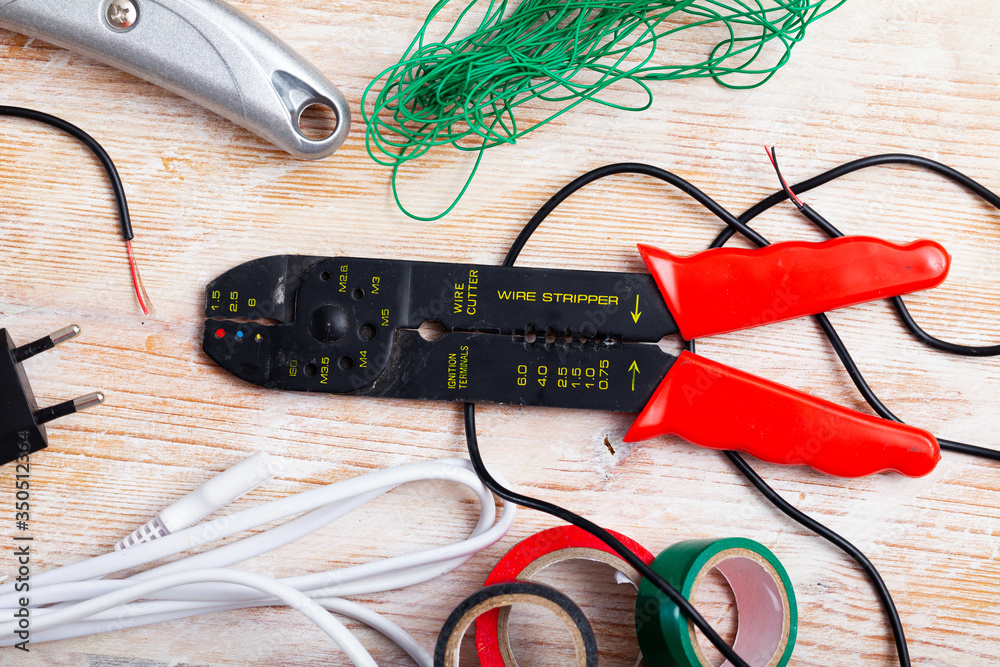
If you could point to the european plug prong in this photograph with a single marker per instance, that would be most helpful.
(22, 424)
(47, 343)
(46, 415)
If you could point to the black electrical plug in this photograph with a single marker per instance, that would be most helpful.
(22, 424)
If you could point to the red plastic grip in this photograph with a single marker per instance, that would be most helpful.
(719, 407)
(729, 289)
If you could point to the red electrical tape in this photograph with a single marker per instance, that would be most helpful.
(530, 556)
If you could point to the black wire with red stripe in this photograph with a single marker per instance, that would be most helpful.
(117, 188)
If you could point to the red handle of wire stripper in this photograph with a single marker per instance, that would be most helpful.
(718, 407)
(729, 289)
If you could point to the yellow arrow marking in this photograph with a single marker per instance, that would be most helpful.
(636, 314)
(633, 369)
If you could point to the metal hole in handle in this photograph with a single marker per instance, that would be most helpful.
(311, 107)
(317, 121)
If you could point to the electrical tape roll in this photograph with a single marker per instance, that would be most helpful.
(505, 594)
(765, 604)
(527, 558)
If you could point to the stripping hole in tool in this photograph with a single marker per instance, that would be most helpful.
(367, 331)
(431, 330)
(317, 122)
(346, 363)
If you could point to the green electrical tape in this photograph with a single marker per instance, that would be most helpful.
(767, 616)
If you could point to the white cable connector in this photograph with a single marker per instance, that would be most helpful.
(206, 500)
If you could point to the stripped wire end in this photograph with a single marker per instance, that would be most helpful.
(140, 290)
(772, 155)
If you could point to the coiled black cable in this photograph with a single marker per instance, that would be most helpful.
(825, 226)
(739, 225)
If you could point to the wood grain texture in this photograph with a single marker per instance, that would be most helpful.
(206, 195)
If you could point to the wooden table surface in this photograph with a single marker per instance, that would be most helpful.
(206, 195)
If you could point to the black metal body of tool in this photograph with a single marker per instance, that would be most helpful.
(572, 339)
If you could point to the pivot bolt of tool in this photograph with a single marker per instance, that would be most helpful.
(121, 14)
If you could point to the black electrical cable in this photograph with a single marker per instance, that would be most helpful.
(755, 479)
(800, 517)
(831, 333)
(951, 174)
(804, 519)
(117, 188)
(96, 148)
(685, 606)
(735, 225)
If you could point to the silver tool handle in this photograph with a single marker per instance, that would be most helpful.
(204, 50)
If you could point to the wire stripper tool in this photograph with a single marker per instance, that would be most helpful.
(578, 339)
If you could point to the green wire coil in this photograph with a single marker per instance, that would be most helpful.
(556, 54)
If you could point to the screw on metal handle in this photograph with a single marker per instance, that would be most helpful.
(121, 14)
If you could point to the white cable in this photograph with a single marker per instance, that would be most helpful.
(333, 628)
(74, 600)
(344, 607)
(454, 470)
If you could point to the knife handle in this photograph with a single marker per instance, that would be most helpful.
(204, 50)
(730, 289)
(714, 406)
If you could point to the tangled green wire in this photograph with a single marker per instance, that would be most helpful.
(464, 91)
